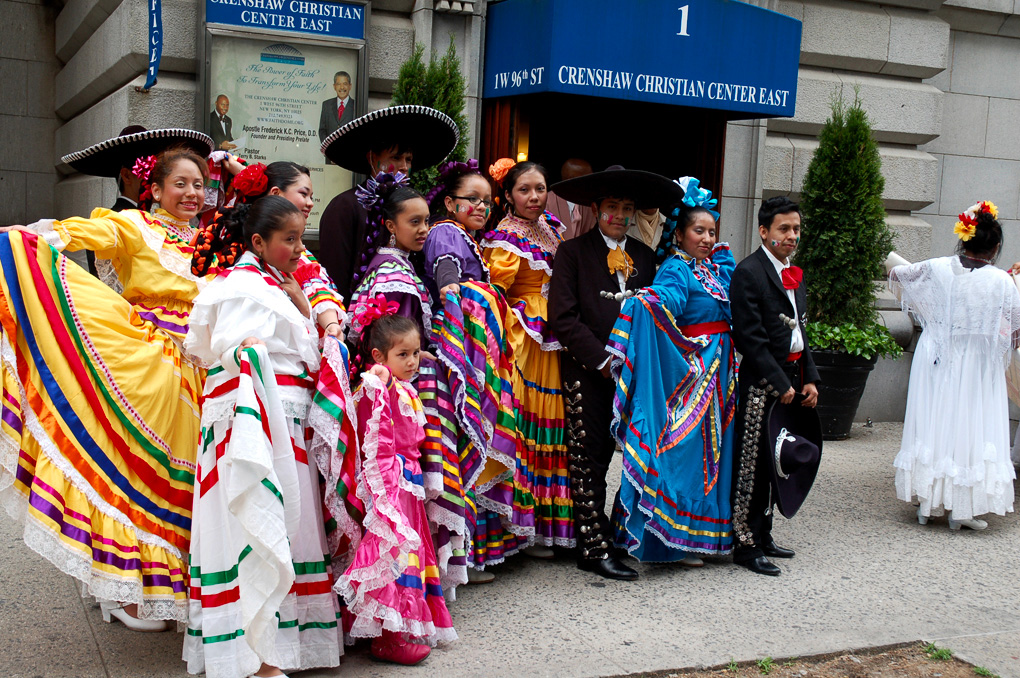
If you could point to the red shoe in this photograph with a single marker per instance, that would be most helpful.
(390, 647)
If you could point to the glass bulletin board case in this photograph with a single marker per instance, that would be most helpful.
(279, 76)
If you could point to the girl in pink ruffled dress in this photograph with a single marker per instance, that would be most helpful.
(392, 585)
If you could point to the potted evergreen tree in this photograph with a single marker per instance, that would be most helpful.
(440, 85)
(845, 240)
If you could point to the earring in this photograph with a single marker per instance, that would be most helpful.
(393, 240)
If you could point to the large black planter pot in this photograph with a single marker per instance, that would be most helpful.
(844, 377)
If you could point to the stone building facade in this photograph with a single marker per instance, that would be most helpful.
(940, 80)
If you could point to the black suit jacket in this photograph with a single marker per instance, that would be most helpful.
(328, 122)
(580, 318)
(123, 203)
(757, 298)
(343, 228)
(216, 130)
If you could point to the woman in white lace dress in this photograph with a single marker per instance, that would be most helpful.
(955, 454)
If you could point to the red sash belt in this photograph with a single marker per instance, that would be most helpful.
(290, 380)
(701, 329)
(794, 357)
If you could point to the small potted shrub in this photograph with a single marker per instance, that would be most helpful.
(440, 85)
(845, 240)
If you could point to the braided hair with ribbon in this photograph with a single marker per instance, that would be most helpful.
(379, 327)
(219, 245)
(696, 200)
(382, 197)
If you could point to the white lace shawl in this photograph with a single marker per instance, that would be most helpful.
(957, 306)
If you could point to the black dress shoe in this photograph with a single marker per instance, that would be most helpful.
(610, 568)
(762, 565)
(774, 550)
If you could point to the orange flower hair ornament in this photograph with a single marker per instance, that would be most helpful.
(498, 170)
(968, 219)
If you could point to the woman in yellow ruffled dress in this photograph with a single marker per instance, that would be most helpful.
(100, 408)
(519, 253)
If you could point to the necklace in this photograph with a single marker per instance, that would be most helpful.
(986, 261)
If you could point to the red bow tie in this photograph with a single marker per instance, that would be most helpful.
(792, 275)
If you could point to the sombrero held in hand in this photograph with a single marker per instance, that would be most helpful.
(646, 189)
(794, 438)
(429, 134)
(106, 158)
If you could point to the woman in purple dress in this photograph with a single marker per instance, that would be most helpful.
(470, 485)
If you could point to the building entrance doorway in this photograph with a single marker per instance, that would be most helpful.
(549, 128)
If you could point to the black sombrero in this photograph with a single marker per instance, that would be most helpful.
(646, 189)
(107, 157)
(429, 134)
(794, 447)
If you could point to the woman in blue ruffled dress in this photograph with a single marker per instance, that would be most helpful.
(676, 397)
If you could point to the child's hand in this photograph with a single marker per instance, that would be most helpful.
(379, 371)
(452, 287)
(247, 343)
(293, 289)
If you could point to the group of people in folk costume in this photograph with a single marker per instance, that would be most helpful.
(229, 445)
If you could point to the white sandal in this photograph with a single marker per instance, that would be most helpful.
(113, 610)
(972, 523)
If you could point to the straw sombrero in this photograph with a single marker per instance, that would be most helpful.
(107, 157)
(428, 133)
(646, 189)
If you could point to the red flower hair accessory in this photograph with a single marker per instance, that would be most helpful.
(251, 182)
(966, 226)
(367, 312)
(143, 167)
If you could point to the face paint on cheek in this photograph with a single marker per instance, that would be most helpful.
(608, 219)
(627, 221)
(798, 239)
(775, 243)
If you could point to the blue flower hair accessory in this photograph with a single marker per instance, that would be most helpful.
(696, 196)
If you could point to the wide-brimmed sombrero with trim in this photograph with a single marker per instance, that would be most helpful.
(794, 440)
(646, 189)
(429, 134)
(107, 157)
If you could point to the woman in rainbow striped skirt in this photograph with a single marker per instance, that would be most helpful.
(519, 253)
(469, 474)
(100, 407)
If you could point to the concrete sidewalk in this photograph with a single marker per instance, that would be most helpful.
(865, 574)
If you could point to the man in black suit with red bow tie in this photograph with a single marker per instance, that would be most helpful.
(769, 305)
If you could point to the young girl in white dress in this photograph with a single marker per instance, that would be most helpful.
(261, 583)
(955, 454)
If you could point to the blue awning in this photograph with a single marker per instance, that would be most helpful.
(717, 54)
